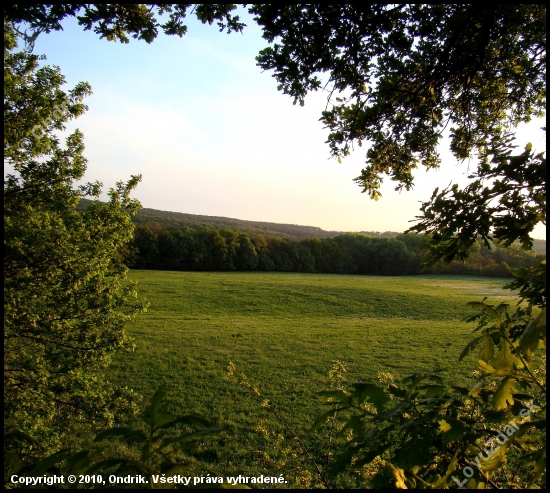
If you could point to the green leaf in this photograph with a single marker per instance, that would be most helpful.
(524, 397)
(451, 468)
(485, 366)
(139, 466)
(525, 427)
(370, 455)
(321, 420)
(487, 350)
(396, 391)
(435, 378)
(452, 429)
(162, 418)
(529, 341)
(355, 424)
(500, 417)
(496, 460)
(461, 390)
(398, 475)
(22, 436)
(414, 454)
(477, 304)
(505, 360)
(342, 461)
(433, 390)
(503, 397)
(359, 392)
(191, 446)
(80, 462)
(494, 315)
(539, 467)
(13, 460)
(372, 393)
(398, 410)
(151, 414)
(413, 380)
(48, 462)
(146, 452)
(470, 347)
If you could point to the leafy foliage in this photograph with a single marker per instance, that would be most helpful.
(116, 22)
(157, 221)
(427, 433)
(162, 438)
(404, 73)
(66, 301)
(531, 283)
(504, 202)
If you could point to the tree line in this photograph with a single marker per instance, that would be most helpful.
(209, 249)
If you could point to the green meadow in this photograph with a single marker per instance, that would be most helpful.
(283, 331)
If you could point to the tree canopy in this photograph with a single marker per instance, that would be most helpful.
(66, 301)
(405, 73)
(115, 22)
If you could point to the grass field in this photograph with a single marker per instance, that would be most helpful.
(283, 331)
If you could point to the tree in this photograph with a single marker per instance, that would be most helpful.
(217, 250)
(388, 256)
(408, 71)
(145, 242)
(262, 249)
(116, 22)
(302, 259)
(66, 301)
(246, 255)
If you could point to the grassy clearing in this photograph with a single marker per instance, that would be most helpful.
(283, 331)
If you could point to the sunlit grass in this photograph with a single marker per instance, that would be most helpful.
(283, 331)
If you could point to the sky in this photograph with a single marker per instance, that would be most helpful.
(211, 135)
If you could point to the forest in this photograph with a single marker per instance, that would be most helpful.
(208, 249)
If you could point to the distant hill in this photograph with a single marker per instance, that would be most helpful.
(540, 246)
(166, 219)
(292, 231)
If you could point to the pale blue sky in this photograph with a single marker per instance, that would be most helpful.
(211, 134)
